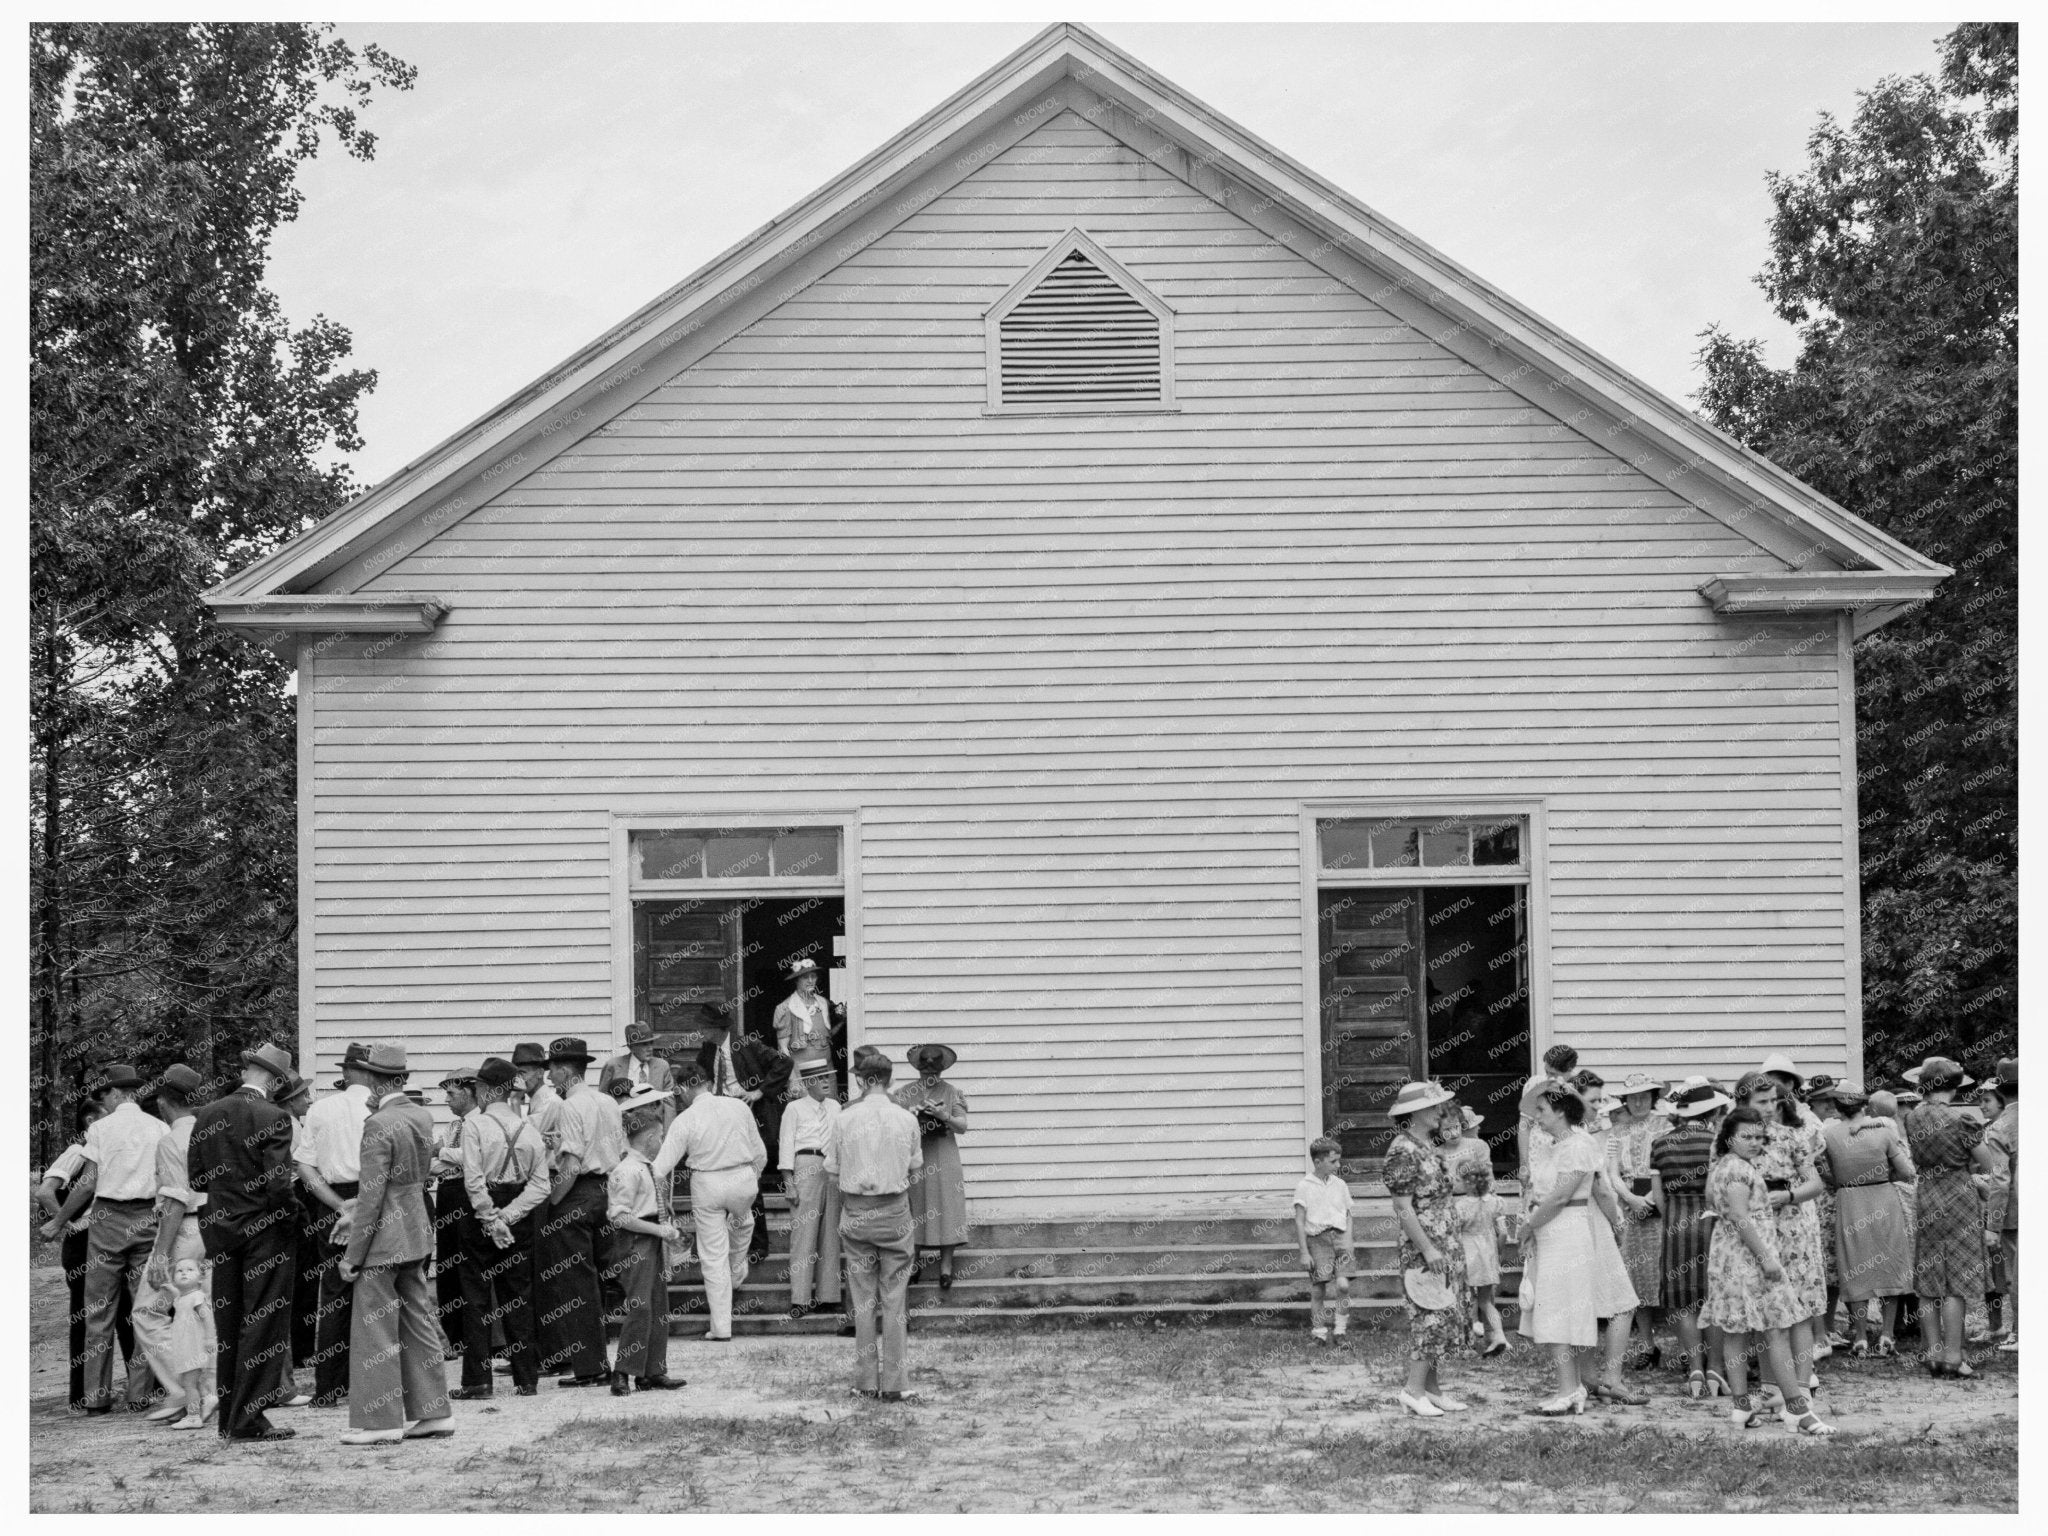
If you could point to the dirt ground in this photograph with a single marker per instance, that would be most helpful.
(1100, 1419)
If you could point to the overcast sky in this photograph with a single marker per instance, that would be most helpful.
(539, 183)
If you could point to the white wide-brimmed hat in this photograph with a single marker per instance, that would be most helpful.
(1701, 1098)
(643, 1098)
(1635, 1082)
(1414, 1096)
(1778, 1061)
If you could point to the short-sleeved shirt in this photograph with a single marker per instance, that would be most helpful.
(333, 1135)
(122, 1146)
(65, 1170)
(1682, 1156)
(630, 1190)
(1325, 1203)
(591, 1129)
(874, 1147)
(174, 1166)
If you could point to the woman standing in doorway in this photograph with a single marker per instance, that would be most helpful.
(1434, 1291)
(938, 1190)
(803, 1023)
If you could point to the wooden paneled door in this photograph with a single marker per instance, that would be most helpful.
(1372, 1012)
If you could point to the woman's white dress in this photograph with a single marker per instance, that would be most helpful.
(1576, 1276)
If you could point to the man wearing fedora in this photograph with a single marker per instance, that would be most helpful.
(640, 1066)
(122, 1147)
(241, 1161)
(573, 1245)
(462, 1303)
(530, 1061)
(505, 1172)
(397, 1385)
(874, 1149)
(329, 1167)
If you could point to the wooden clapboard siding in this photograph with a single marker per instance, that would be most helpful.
(1078, 675)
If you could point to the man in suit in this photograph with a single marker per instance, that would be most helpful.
(640, 1066)
(758, 1074)
(241, 1161)
(397, 1386)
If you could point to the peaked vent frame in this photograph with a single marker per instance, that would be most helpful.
(1069, 244)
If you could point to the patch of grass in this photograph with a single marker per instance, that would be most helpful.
(1637, 1467)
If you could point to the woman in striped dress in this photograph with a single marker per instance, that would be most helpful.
(1679, 1160)
(1634, 1127)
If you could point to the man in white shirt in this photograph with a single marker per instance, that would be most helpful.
(718, 1137)
(814, 1226)
(574, 1239)
(121, 1145)
(328, 1159)
(873, 1150)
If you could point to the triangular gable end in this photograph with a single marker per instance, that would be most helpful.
(1835, 559)
(1078, 332)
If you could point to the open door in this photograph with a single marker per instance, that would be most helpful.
(1372, 989)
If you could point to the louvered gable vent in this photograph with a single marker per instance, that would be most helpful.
(1079, 336)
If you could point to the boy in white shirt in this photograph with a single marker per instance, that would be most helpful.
(1322, 1222)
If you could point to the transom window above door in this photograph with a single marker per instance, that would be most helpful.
(1404, 848)
(768, 855)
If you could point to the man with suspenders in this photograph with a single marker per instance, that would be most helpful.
(505, 1173)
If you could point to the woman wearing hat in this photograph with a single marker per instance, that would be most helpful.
(1434, 1290)
(803, 1023)
(1863, 1159)
(938, 1190)
(1948, 1252)
(1634, 1127)
(1679, 1161)
(1576, 1279)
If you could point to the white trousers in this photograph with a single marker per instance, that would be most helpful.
(721, 1207)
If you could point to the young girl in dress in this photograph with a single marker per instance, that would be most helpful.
(1470, 1161)
(192, 1343)
(1747, 1287)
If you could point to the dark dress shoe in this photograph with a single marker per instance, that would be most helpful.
(96, 1409)
(531, 1389)
(847, 1330)
(799, 1312)
(268, 1432)
(945, 1282)
(470, 1394)
(622, 1384)
(657, 1384)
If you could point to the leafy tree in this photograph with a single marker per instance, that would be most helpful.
(179, 427)
(1896, 254)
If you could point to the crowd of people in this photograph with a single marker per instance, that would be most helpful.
(1749, 1217)
(267, 1250)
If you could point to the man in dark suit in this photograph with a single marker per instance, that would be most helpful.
(241, 1160)
(640, 1066)
(747, 1069)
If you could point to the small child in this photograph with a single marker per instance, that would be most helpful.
(1322, 1221)
(192, 1343)
(1470, 1162)
(635, 1212)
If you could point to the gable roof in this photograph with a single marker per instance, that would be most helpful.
(1068, 67)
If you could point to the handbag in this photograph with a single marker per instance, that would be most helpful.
(1427, 1290)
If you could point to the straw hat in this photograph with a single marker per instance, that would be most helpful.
(1415, 1096)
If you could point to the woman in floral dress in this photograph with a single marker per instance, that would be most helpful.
(1434, 1289)
(1792, 1178)
(1748, 1287)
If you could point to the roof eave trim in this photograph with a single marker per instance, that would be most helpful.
(399, 613)
(1798, 593)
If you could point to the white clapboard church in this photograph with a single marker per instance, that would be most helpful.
(1137, 617)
